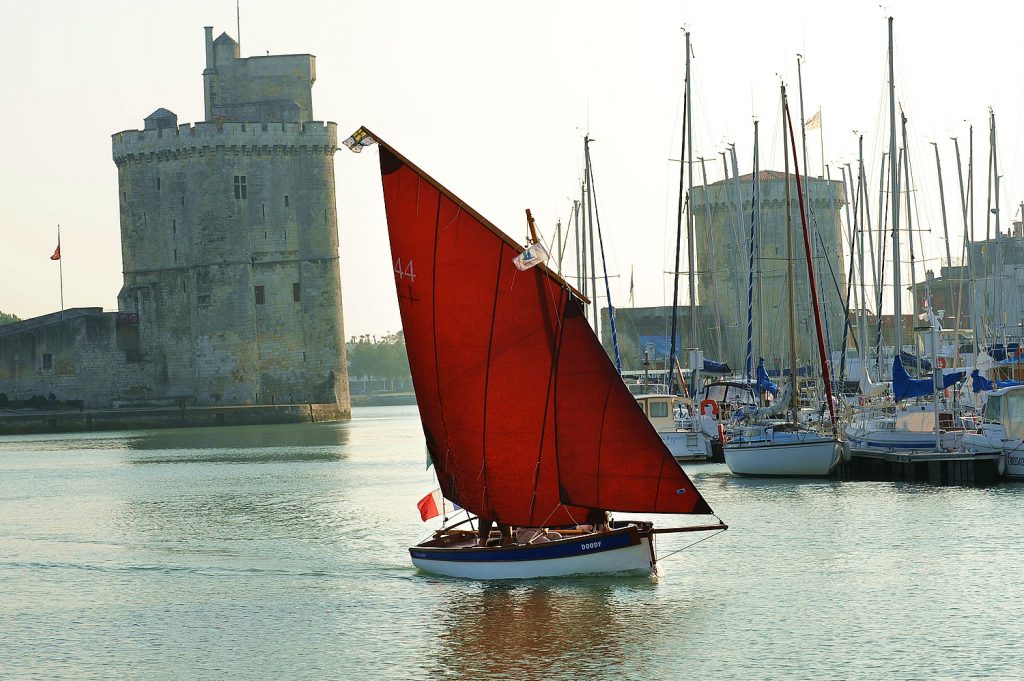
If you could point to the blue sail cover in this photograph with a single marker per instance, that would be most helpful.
(713, 367)
(980, 384)
(903, 386)
(764, 383)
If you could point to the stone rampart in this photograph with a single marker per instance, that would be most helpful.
(140, 145)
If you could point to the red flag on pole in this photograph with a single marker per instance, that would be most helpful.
(56, 253)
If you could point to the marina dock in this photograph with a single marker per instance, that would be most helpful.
(953, 468)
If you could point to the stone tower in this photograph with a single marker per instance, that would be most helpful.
(723, 261)
(229, 239)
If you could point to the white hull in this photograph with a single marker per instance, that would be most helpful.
(1012, 464)
(813, 458)
(634, 560)
(686, 446)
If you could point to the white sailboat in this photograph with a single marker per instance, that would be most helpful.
(787, 448)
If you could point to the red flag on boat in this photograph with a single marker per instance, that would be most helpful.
(56, 253)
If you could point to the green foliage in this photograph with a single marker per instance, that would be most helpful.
(6, 318)
(371, 357)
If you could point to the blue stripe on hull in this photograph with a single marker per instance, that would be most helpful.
(921, 444)
(561, 548)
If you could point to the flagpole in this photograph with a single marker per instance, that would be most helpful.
(821, 138)
(60, 267)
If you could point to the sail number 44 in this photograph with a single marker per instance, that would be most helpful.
(406, 271)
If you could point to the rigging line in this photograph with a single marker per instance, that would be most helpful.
(604, 264)
(690, 545)
(437, 363)
(487, 374)
(552, 372)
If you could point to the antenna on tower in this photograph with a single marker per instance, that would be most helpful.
(238, 24)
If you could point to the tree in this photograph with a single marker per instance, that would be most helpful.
(6, 318)
(383, 358)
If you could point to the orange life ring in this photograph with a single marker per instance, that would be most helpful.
(714, 407)
(941, 361)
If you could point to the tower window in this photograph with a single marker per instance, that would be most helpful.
(296, 292)
(285, 200)
(158, 184)
(259, 295)
(240, 192)
(174, 226)
(175, 255)
(47, 360)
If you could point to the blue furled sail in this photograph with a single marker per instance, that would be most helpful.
(980, 384)
(764, 384)
(713, 367)
(903, 386)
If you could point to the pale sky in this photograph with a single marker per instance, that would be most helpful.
(493, 99)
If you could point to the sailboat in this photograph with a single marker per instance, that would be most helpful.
(788, 448)
(526, 420)
(913, 427)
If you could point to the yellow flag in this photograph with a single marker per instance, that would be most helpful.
(814, 121)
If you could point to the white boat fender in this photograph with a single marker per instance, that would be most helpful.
(1001, 465)
(847, 452)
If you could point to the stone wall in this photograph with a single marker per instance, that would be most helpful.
(79, 354)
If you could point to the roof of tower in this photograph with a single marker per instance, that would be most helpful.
(161, 118)
(225, 38)
(161, 113)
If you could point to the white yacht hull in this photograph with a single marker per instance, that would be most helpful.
(810, 458)
(1012, 464)
(686, 446)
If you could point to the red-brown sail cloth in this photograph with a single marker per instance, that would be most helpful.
(525, 417)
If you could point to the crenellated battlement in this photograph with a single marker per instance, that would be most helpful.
(316, 136)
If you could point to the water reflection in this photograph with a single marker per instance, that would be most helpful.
(542, 630)
(243, 437)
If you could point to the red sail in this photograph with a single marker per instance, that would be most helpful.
(524, 415)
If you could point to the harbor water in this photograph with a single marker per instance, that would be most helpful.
(281, 552)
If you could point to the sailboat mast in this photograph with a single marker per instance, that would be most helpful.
(590, 229)
(910, 223)
(965, 253)
(864, 226)
(895, 194)
(949, 254)
(759, 264)
(818, 330)
(691, 249)
(750, 269)
(790, 289)
(670, 368)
